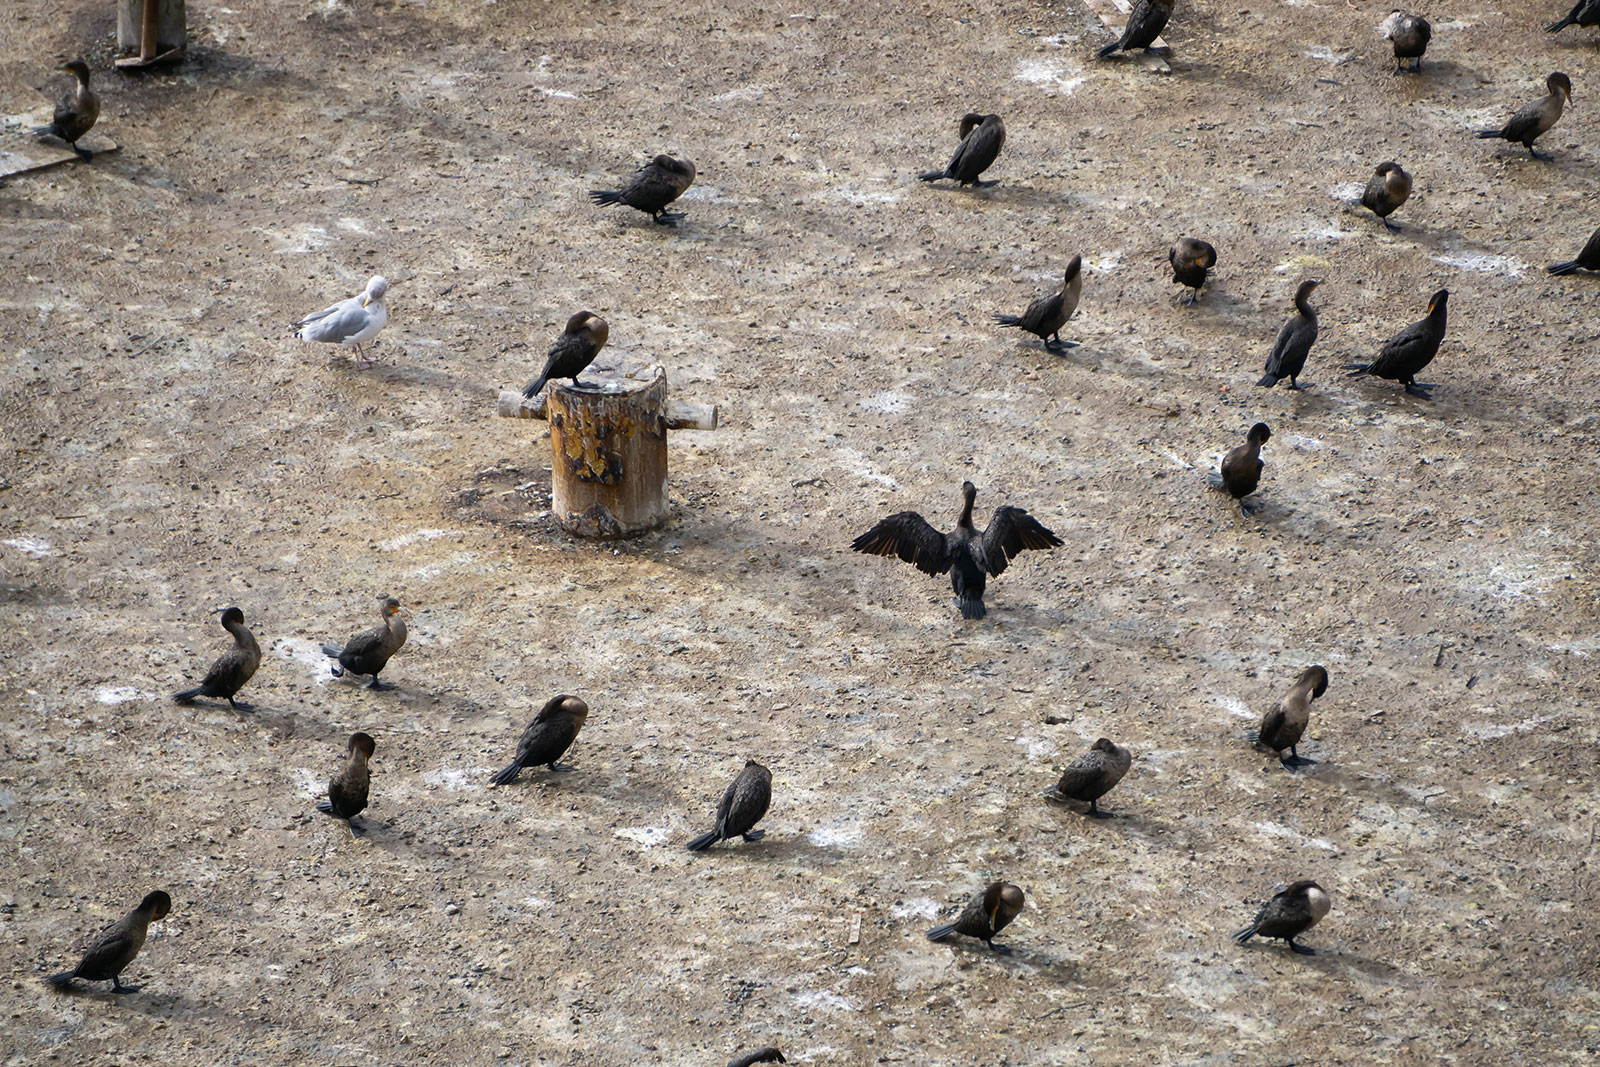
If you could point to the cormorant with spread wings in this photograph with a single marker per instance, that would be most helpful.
(966, 554)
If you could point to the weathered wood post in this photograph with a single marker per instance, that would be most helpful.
(608, 473)
(156, 29)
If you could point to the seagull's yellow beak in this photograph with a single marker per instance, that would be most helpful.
(365, 300)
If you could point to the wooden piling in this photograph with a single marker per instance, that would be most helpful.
(608, 472)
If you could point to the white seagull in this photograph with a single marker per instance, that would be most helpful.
(349, 322)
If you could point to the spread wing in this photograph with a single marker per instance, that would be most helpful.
(908, 536)
(1010, 531)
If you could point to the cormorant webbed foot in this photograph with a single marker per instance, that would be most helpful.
(83, 153)
(1249, 508)
(375, 684)
(1000, 950)
(1302, 949)
(118, 987)
(356, 831)
(1418, 391)
(239, 705)
(755, 835)
(1394, 227)
(670, 218)
(985, 185)
(1094, 812)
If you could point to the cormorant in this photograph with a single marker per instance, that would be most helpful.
(989, 912)
(369, 650)
(1410, 34)
(347, 790)
(1533, 119)
(232, 669)
(350, 322)
(760, 1055)
(1285, 724)
(574, 350)
(1148, 19)
(1191, 258)
(981, 139)
(1410, 350)
(1092, 775)
(1583, 13)
(1241, 468)
(114, 949)
(1588, 259)
(1386, 190)
(963, 552)
(651, 188)
(1294, 340)
(1288, 915)
(76, 110)
(743, 804)
(547, 737)
(1047, 314)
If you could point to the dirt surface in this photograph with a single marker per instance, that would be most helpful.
(168, 450)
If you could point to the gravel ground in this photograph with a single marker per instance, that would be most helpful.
(166, 449)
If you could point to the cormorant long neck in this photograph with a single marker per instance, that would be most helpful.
(242, 637)
(1302, 303)
(968, 495)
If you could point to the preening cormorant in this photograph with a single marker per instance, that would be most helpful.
(114, 949)
(989, 912)
(1145, 23)
(1288, 915)
(76, 110)
(1410, 34)
(1386, 190)
(369, 650)
(1588, 259)
(981, 139)
(1535, 118)
(966, 554)
(547, 737)
(1285, 724)
(1092, 775)
(1047, 314)
(350, 322)
(1241, 468)
(1583, 13)
(574, 350)
(1191, 259)
(651, 188)
(347, 790)
(1294, 340)
(743, 804)
(231, 669)
(1410, 350)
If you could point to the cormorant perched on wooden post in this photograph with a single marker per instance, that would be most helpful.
(581, 341)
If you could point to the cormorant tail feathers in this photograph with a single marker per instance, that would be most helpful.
(703, 842)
